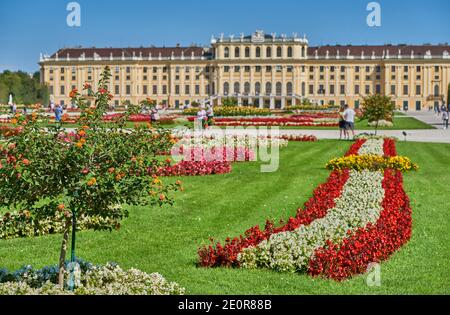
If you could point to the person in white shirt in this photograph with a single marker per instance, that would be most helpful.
(201, 116)
(349, 116)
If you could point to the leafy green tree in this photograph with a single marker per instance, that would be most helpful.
(377, 107)
(88, 173)
(25, 88)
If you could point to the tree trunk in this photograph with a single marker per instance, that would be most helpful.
(62, 256)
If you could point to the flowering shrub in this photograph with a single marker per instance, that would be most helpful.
(87, 174)
(94, 280)
(372, 162)
(221, 154)
(299, 138)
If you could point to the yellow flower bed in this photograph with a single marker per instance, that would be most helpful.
(232, 111)
(372, 162)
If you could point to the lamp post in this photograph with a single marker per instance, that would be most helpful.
(74, 268)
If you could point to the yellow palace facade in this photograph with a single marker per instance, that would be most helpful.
(262, 70)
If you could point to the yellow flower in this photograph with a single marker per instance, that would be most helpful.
(92, 182)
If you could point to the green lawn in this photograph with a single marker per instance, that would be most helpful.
(166, 239)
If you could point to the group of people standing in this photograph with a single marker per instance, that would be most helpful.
(206, 117)
(444, 110)
(346, 122)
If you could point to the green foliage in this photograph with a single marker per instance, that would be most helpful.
(377, 107)
(229, 101)
(26, 90)
(90, 172)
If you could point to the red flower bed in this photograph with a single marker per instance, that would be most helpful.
(226, 154)
(389, 147)
(195, 168)
(373, 243)
(300, 138)
(316, 207)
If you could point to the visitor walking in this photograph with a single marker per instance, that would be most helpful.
(349, 116)
(154, 115)
(210, 115)
(445, 117)
(13, 109)
(58, 113)
(342, 125)
(201, 117)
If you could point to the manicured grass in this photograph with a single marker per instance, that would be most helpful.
(166, 239)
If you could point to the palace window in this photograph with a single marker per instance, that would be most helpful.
(332, 89)
(289, 52)
(311, 69)
(331, 77)
(392, 68)
(226, 88)
(145, 89)
(62, 90)
(226, 52)
(128, 89)
(236, 52)
(405, 89)
(418, 68)
(226, 69)
(436, 90)
(269, 52)
(405, 69)
(247, 68)
(73, 78)
(258, 52)
(237, 68)
(268, 88)
(303, 88)
(332, 69)
(237, 87)
(321, 89)
(278, 88)
(278, 68)
(258, 68)
(289, 88)
(311, 89)
(418, 89)
(268, 68)
(342, 89)
(322, 68)
(155, 89)
(177, 89)
(187, 89)
(145, 69)
(357, 89)
(177, 69)
(357, 69)
(367, 91)
(378, 89)
(197, 89)
(164, 89)
(289, 68)
(117, 90)
(257, 88)
(436, 68)
(128, 70)
(342, 68)
(378, 69)
(246, 87)
(392, 89)
(187, 78)
(356, 77)
(303, 52)
(155, 69)
(62, 70)
(247, 52)
(279, 52)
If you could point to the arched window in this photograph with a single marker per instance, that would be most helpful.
(237, 88)
(268, 88)
(303, 89)
(257, 88)
(436, 90)
(226, 88)
(269, 52)
(279, 52)
(278, 88)
(289, 52)
(289, 88)
(236, 52)
(303, 52)
(226, 52)
(247, 52)
(258, 52)
(247, 88)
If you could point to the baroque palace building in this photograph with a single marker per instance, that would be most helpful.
(258, 70)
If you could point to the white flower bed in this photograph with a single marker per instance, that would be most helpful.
(101, 280)
(359, 204)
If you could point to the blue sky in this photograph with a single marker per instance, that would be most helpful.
(29, 27)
